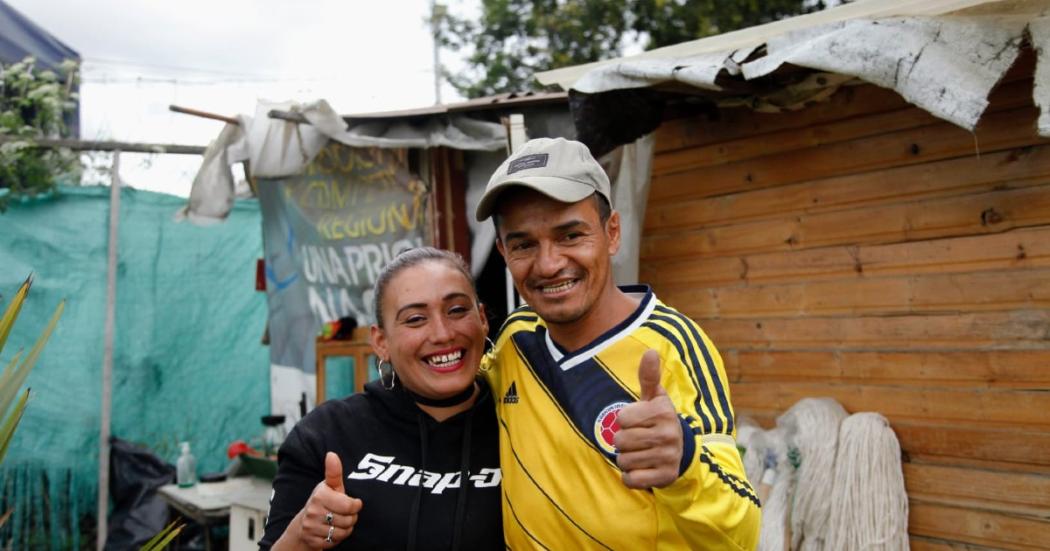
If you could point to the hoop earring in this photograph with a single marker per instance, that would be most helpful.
(382, 376)
(486, 366)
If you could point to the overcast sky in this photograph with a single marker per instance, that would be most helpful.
(139, 56)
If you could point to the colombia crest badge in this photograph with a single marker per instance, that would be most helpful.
(606, 425)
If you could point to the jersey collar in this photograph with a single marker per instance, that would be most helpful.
(567, 360)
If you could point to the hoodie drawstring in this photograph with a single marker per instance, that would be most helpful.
(413, 517)
(464, 481)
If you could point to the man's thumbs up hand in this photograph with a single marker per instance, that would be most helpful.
(649, 441)
(329, 515)
(649, 376)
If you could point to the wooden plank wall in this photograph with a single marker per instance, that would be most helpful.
(864, 250)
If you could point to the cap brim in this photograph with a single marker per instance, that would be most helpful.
(559, 189)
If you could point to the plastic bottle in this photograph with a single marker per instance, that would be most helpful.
(186, 467)
(273, 435)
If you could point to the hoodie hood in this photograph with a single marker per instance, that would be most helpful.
(400, 405)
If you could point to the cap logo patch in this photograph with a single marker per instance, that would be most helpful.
(537, 160)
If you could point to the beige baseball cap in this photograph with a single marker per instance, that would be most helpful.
(561, 169)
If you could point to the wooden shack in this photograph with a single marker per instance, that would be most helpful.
(865, 250)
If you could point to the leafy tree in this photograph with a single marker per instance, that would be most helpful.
(514, 39)
(32, 105)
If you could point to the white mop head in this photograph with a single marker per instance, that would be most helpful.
(869, 506)
(812, 427)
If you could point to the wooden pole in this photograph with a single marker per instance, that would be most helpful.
(437, 52)
(228, 120)
(289, 116)
(204, 114)
(516, 137)
(107, 354)
(93, 145)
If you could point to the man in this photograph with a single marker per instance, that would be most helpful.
(603, 443)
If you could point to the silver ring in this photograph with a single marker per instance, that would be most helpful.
(328, 538)
(328, 518)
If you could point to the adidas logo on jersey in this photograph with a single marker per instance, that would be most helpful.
(511, 397)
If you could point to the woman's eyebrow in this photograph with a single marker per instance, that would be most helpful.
(422, 305)
(413, 306)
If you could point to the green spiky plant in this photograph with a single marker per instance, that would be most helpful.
(15, 373)
(163, 538)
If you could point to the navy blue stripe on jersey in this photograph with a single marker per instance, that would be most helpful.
(523, 313)
(612, 374)
(707, 459)
(516, 316)
(712, 369)
(741, 482)
(532, 479)
(688, 446)
(514, 513)
(583, 392)
(709, 363)
(568, 418)
(701, 390)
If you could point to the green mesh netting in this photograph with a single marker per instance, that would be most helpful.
(188, 364)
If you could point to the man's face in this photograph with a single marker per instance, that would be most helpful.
(558, 253)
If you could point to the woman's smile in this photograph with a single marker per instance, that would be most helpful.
(445, 361)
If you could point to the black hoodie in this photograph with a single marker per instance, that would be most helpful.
(405, 467)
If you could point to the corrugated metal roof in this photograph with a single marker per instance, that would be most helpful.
(755, 36)
(498, 101)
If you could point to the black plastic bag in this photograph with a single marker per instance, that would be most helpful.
(138, 512)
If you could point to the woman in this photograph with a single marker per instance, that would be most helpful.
(413, 462)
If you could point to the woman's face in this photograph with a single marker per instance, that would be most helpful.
(433, 330)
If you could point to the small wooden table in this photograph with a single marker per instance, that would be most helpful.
(208, 503)
(357, 348)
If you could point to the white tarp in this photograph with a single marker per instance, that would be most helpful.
(946, 65)
(457, 132)
(281, 148)
(630, 173)
(276, 148)
(699, 71)
(1039, 31)
(213, 190)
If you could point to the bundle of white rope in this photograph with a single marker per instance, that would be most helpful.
(751, 437)
(771, 473)
(780, 474)
(869, 506)
(812, 426)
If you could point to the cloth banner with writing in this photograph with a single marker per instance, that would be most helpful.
(327, 233)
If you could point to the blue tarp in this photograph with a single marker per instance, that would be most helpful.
(20, 37)
(188, 363)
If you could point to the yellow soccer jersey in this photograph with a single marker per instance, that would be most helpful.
(557, 414)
